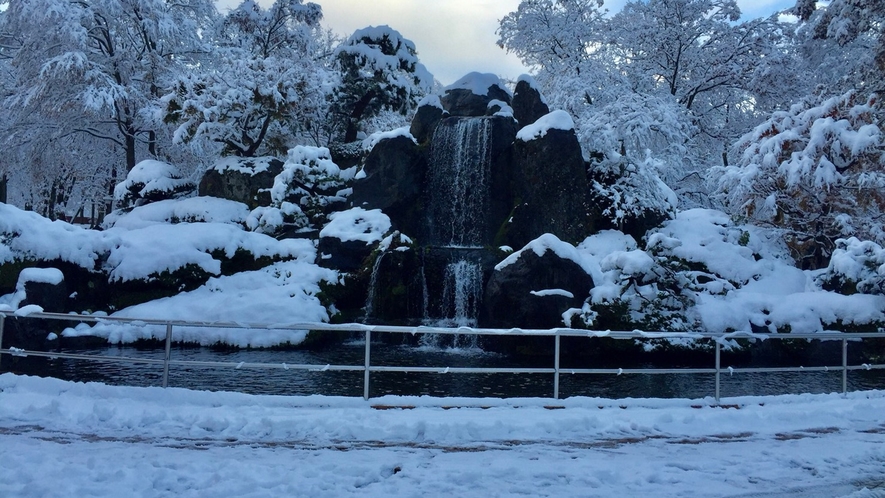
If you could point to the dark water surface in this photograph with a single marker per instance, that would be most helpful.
(299, 382)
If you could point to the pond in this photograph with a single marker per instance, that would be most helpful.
(281, 381)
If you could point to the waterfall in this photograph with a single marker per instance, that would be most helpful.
(463, 290)
(458, 182)
(458, 188)
(373, 283)
(459, 304)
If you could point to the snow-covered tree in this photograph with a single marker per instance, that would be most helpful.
(684, 73)
(104, 60)
(843, 43)
(553, 35)
(261, 81)
(817, 171)
(379, 71)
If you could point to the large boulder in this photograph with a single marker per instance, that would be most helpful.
(471, 95)
(242, 179)
(350, 237)
(528, 104)
(430, 112)
(43, 287)
(393, 180)
(535, 286)
(550, 185)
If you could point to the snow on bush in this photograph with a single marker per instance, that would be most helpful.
(155, 249)
(815, 170)
(628, 190)
(702, 272)
(151, 181)
(856, 266)
(142, 252)
(357, 224)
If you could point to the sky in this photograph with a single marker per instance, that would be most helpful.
(455, 37)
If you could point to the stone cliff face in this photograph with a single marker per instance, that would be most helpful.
(465, 186)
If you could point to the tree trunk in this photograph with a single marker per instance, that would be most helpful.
(3, 181)
(130, 149)
(359, 108)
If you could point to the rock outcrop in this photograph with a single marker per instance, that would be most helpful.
(242, 179)
(528, 104)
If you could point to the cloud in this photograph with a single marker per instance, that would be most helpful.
(453, 37)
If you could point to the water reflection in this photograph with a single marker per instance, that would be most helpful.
(299, 382)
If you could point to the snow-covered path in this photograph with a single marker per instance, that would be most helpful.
(68, 439)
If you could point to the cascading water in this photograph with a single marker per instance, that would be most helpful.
(457, 204)
(458, 183)
(373, 283)
(463, 289)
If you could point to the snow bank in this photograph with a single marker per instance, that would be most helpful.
(556, 120)
(25, 235)
(102, 440)
(190, 210)
(283, 293)
(157, 248)
(357, 224)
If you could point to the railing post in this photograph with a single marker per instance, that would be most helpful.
(366, 374)
(718, 367)
(556, 368)
(2, 323)
(844, 366)
(168, 354)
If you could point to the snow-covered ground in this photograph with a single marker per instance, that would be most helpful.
(68, 439)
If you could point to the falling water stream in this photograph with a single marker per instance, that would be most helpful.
(458, 201)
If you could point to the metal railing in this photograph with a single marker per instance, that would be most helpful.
(718, 339)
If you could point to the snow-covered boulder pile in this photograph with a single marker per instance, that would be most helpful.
(471, 95)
